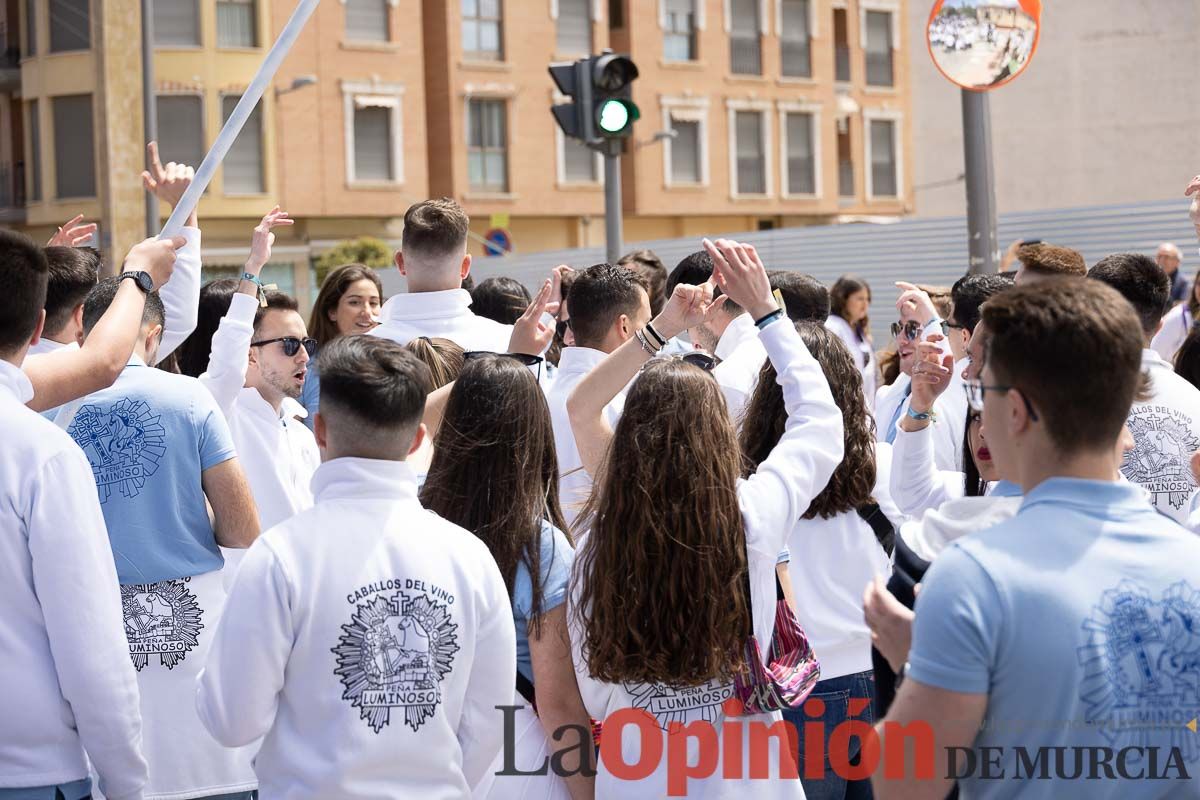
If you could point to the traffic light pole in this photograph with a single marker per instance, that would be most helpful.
(612, 200)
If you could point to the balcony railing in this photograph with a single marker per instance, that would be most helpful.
(745, 54)
(842, 62)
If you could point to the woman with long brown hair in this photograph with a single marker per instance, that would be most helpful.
(834, 551)
(849, 302)
(494, 472)
(672, 535)
(347, 304)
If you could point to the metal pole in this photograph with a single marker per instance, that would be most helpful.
(981, 183)
(149, 107)
(612, 200)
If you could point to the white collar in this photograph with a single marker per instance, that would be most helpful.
(739, 331)
(579, 359)
(361, 478)
(426, 305)
(135, 361)
(258, 405)
(1151, 358)
(13, 380)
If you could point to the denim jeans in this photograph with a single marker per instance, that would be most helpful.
(836, 694)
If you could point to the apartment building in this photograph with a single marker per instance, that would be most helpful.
(755, 114)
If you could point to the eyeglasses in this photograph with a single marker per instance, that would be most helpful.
(291, 345)
(977, 390)
(910, 329)
(956, 326)
(523, 358)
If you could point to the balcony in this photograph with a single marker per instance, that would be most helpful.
(745, 54)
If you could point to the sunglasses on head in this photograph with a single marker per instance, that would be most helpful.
(522, 358)
(697, 359)
(910, 329)
(291, 345)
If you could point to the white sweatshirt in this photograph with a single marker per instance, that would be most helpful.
(771, 501)
(831, 561)
(742, 358)
(1166, 431)
(917, 484)
(446, 314)
(863, 353)
(277, 451)
(1176, 324)
(954, 519)
(181, 295)
(369, 642)
(69, 683)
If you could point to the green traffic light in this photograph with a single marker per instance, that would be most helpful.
(613, 116)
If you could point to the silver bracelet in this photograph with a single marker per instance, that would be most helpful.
(641, 337)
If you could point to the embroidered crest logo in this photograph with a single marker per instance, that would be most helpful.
(1142, 666)
(685, 705)
(124, 444)
(1160, 458)
(161, 619)
(393, 654)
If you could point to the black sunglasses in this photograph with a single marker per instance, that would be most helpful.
(291, 345)
(911, 329)
(523, 358)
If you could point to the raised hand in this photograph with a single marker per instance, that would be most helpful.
(263, 239)
(687, 307)
(931, 374)
(166, 183)
(919, 300)
(1193, 191)
(155, 256)
(556, 294)
(740, 273)
(74, 233)
(529, 335)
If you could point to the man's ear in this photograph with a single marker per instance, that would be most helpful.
(320, 431)
(465, 270)
(41, 325)
(418, 438)
(77, 321)
(152, 337)
(1020, 419)
(399, 259)
(626, 326)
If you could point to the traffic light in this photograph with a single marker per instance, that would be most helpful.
(601, 95)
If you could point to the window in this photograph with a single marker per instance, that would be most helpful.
(679, 30)
(845, 162)
(745, 43)
(487, 145)
(367, 20)
(799, 130)
(35, 153)
(373, 143)
(74, 156)
(243, 165)
(686, 164)
(31, 27)
(180, 128)
(883, 159)
(176, 23)
(579, 162)
(481, 30)
(751, 170)
(795, 38)
(70, 26)
(879, 48)
(841, 46)
(574, 27)
(236, 23)
(616, 14)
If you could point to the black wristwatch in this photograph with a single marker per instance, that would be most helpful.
(142, 279)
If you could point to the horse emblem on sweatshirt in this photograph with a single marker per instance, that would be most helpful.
(161, 619)
(1161, 456)
(1142, 666)
(123, 443)
(393, 654)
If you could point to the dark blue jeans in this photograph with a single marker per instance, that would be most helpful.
(836, 694)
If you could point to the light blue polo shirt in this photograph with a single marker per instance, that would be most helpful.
(1079, 618)
(554, 564)
(148, 437)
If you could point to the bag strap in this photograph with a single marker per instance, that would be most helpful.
(525, 688)
(884, 530)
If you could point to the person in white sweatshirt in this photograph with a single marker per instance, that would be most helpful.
(256, 372)
(677, 563)
(69, 686)
(366, 640)
(434, 261)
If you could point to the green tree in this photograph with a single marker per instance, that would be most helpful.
(365, 250)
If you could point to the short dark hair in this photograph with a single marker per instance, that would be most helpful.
(25, 274)
(101, 297)
(649, 267)
(1074, 349)
(435, 228)
(1049, 259)
(599, 295)
(276, 301)
(1141, 281)
(73, 273)
(806, 298)
(501, 299)
(969, 293)
(693, 270)
(373, 380)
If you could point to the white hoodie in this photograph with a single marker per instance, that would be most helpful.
(368, 641)
(771, 501)
(445, 314)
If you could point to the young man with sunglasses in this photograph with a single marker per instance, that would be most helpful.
(260, 356)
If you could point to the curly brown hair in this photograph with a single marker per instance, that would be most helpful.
(854, 479)
(661, 574)
(1049, 259)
